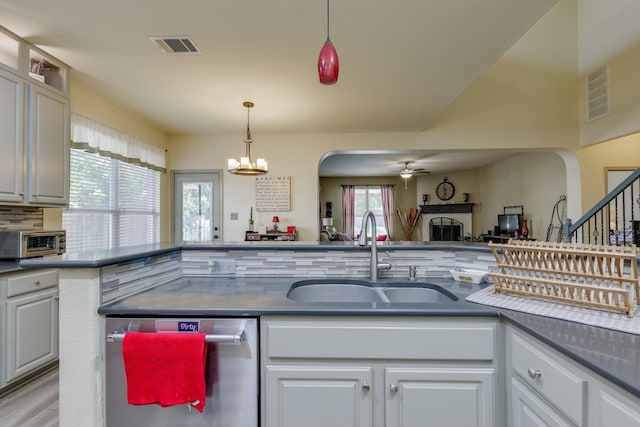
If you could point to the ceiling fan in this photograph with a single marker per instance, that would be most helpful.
(407, 173)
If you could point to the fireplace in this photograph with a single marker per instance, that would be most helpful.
(441, 229)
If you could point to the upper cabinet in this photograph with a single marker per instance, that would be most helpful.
(34, 125)
(11, 137)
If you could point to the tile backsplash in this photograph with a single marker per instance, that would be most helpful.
(19, 218)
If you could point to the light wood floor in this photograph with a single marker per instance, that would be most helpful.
(33, 405)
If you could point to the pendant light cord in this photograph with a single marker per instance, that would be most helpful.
(248, 128)
(328, 38)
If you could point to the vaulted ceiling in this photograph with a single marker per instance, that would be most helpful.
(401, 62)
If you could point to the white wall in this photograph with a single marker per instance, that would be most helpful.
(609, 33)
(535, 180)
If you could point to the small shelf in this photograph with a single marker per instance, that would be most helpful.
(44, 70)
(32, 63)
(272, 236)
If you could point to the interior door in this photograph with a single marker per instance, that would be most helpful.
(197, 206)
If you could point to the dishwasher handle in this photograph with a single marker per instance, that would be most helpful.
(118, 336)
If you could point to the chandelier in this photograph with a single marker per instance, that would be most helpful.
(246, 165)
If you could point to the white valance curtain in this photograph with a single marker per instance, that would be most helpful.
(92, 136)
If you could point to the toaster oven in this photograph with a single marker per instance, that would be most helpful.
(16, 244)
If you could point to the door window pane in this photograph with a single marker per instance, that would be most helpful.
(197, 211)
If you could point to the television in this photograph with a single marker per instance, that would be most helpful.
(509, 223)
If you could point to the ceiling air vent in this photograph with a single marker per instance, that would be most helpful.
(598, 93)
(175, 44)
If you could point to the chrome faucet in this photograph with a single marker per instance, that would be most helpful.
(369, 218)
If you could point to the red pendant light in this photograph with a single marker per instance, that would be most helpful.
(328, 66)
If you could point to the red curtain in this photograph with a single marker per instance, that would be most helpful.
(348, 206)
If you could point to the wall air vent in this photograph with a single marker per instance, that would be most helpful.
(598, 93)
(175, 44)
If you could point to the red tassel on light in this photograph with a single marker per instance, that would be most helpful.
(328, 65)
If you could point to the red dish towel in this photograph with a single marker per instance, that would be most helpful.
(165, 368)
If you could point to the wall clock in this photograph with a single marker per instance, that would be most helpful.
(445, 190)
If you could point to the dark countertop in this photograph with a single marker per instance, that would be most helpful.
(231, 296)
(9, 266)
(614, 355)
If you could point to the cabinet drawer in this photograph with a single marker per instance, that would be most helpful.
(550, 376)
(384, 339)
(30, 282)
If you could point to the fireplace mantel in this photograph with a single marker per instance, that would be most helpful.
(447, 208)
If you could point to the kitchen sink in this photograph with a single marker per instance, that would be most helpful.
(331, 291)
(423, 295)
(353, 291)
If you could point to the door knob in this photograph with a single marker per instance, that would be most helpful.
(534, 373)
(393, 388)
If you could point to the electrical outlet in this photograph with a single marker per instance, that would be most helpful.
(227, 266)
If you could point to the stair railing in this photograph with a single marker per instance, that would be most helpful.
(615, 220)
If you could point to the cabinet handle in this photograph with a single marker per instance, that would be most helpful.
(366, 386)
(393, 388)
(37, 283)
(534, 373)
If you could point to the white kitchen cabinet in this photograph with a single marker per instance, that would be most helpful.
(549, 376)
(531, 411)
(319, 396)
(12, 89)
(47, 147)
(613, 407)
(549, 389)
(444, 396)
(30, 327)
(34, 127)
(380, 372)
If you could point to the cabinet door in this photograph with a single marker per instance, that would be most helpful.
(32, 332)
(528, 410)
(11, 137)
(48, 147)
(614, 409)
(440, 397)
(318, 396)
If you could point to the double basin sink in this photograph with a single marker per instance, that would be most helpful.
(354, 291)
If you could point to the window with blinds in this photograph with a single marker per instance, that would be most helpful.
(111, 203)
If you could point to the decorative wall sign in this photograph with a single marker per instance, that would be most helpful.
(273, 193)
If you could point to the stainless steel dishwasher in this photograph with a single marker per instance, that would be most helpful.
(231, 375)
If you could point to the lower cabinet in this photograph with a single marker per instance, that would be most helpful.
(379, 372)
(439, 397)
(344, 396)
(319, 396)
(612, 407)
(548, 389)
(530, 410)
(30, 327)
